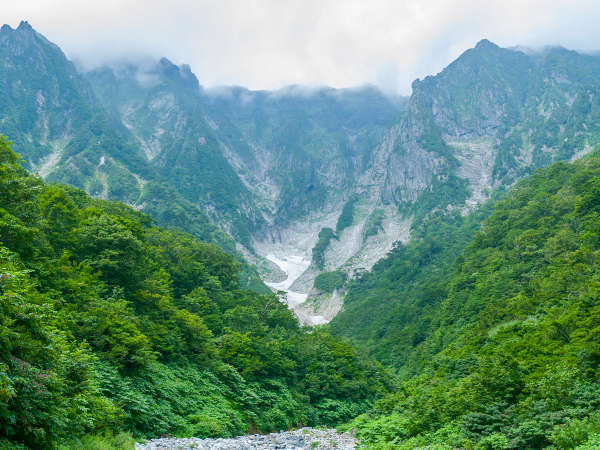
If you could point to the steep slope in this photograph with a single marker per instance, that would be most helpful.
(307, 145)
(500, 350)
(159, 103)
(64, 133)
(492, 116)
(110, 324)
(302, 152)
(392, 308)
(297, 152)
(51, 114)
(488, 119)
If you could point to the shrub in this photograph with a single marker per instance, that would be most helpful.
(330, 281)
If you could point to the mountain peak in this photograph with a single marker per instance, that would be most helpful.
(24, 26)
(165, 62)
(486, 44)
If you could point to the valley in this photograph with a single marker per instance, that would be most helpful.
(202, 263)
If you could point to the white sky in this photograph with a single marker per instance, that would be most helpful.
(266, 44)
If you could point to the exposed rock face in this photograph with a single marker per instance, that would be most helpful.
(56, 123)
(489, 118)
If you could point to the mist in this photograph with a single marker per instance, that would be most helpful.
(269, 44)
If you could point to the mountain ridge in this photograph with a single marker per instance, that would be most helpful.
(273, 170)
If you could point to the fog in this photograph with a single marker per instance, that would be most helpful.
(268, 44)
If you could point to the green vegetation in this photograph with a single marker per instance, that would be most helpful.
(112, 329)
(111, 326)
(52, 108)
(310, 135)
(318, 251)
(537, 107)
(347, 216)
(106, 441)
(494, 332)
(374, 224)
(444, 191)
(330, 281)
(389, 309)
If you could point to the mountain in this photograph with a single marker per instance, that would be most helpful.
(52, 115)
(501, 113)
(291, 154)
(149, 135)
(160, 106)
(56, 122)
(491, 117)
(493, 332)
(426, 229)
(301, 181)
(304, 156)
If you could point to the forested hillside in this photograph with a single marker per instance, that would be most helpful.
(110, 324)
(56, 122)
(494, 332)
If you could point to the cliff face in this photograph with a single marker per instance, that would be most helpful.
(492, 116)
(159, 104)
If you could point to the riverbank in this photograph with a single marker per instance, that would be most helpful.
(304, 438)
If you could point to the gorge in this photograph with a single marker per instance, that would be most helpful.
(438, 253)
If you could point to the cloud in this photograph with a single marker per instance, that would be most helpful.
(267, 44)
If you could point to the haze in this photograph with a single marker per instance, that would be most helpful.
(267, 44)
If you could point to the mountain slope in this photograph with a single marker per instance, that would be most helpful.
(502, 346)
(64, 133)
(492, 116)
(110, 324)
(160, 105)
(308, 144)
(52, 115)
(297, 151)
(277, 170)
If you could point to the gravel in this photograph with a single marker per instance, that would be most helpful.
(304, 438)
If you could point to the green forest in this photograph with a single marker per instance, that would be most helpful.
(112, 329)
(490, 321)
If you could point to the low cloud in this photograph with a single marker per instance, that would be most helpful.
(268, 44)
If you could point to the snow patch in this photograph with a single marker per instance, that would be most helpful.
(293, 266)
(290, 249)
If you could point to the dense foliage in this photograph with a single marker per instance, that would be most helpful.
(330, 281)
(374, 224)
(497, 341)
(318, 251)
(109, 323)
(390, 309)
(347, 216)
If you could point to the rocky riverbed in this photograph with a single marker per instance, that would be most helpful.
(304, 438)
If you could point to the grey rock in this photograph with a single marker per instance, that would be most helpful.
(303, 438)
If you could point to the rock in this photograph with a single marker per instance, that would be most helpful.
(304, 438)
